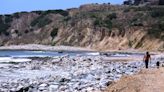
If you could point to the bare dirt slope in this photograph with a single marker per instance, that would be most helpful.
(151, 80)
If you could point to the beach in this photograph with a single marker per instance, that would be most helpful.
(92, 72)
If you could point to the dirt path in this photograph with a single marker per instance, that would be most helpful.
(150, 80)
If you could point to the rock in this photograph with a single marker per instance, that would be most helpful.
(43, 86)
(19, 87)
(4, 90)
(118, 70)
(89, 77)
(63, 88)
(24, 89)
(108, 83)
(98, 78)
(89, 89)
(64, 80)
(53, 88)
(103, 83)
(35, 67)
(13, 90)
(108, 71)
(72, 74)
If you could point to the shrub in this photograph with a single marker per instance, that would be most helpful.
(3, 27)
(161, 2)
(154, 32)
(38, 12)
(108, 24)
(6, 33)
(8, 18)
(161, 25)
(53, 43)
(60, 11)
(1, 20)
(35, 21)
(130, 43)
(98, 22)
(128, 2)
(137, 24)
(41, 21)
(23, 12)
(157, 13)
(26, 31)
(93, 15)
(157, 30)
(1, 16)
(16, 15)
(54, 32)
(16, 31)
(126, 10)
(67, 18)
(112, 16)
(140, 8)
(31, 29)
(103, 23)
(19, 34)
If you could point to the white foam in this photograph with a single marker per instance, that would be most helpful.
(121, 55)
(94, 53)
(10, 59)
(5, 58)
(21, 56)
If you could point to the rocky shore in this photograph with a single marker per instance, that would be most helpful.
(66, 74)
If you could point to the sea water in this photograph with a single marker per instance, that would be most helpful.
(17, 53)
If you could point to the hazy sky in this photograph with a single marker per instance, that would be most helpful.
(11, 6)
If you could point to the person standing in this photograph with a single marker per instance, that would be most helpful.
(146, 59)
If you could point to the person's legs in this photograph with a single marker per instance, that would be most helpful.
(146, 64)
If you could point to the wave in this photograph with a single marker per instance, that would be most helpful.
(93, 53)
(11, 59)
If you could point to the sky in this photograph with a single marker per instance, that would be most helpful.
(12, 6)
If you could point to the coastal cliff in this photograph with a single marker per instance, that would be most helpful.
(95, 26)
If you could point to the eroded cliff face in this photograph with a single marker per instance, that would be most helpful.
(100, 27)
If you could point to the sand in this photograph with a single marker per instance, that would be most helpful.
(148, 80)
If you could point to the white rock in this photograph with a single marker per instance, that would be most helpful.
(53, 88)
(19, 87)
(43, 85)
(89, 89)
